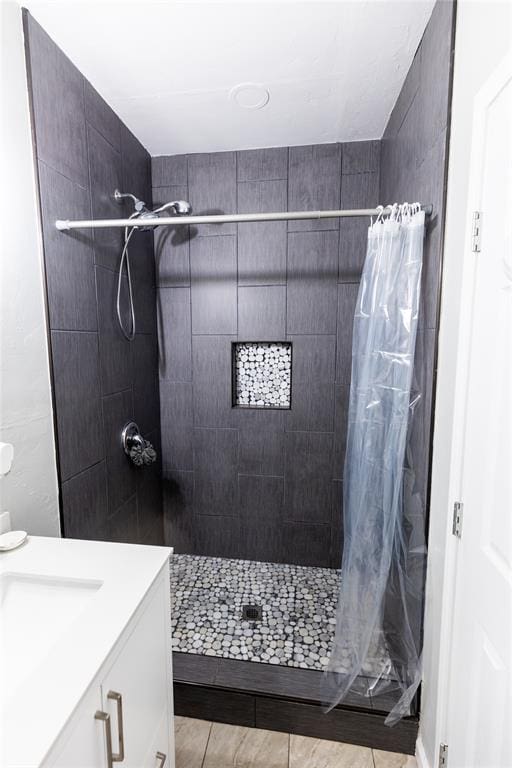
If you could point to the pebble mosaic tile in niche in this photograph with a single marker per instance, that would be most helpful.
(262, 374)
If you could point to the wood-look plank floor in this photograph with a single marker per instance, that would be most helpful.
(201, 744)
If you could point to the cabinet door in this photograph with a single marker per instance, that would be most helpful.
(140, 675)
(161, 752)
(82, 744)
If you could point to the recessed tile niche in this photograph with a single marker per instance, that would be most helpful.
(262, 374)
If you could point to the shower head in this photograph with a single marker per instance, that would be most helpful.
(180, 207)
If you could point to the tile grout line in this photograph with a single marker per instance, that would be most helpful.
(206, 746)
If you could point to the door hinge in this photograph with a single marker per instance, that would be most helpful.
(458, 509)
(443, 755)
(476, 229)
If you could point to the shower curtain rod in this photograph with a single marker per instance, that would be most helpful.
(146, 221)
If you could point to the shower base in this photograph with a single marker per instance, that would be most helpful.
(297, 606)
(214, 645)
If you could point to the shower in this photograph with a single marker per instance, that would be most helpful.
(179, 207)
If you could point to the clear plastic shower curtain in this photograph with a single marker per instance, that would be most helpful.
(375, 552)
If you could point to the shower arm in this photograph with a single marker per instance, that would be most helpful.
(159, 221)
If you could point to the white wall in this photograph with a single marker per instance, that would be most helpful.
(29, 492)
(483, 36)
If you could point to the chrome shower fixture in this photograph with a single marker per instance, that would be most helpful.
(139, 205)
(139, 450)
(143, 213)
(180, 207)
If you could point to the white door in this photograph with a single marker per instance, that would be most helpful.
(480, 711)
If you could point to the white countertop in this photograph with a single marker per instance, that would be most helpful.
(116, 576)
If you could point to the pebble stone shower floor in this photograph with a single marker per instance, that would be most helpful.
(298, 610)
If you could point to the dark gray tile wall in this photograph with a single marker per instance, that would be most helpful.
(414, 145)
(264, 485)
(413, 158)
(100, 380)
(262, 247)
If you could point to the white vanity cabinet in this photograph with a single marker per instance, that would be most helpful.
(126, 717)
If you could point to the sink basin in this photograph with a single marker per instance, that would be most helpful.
(34, 613)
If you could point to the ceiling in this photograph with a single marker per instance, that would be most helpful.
(333, 70)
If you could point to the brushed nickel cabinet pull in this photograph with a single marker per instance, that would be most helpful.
(160, 756)
(118, 757)
(105, 717)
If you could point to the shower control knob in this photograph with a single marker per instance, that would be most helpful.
(140, 451)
